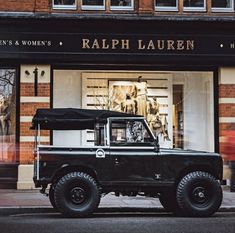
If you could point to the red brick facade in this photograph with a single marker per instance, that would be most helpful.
(25, 5)
(28, 109)
(140, 6)
(227, 91)
(226, 109)
(27, 89)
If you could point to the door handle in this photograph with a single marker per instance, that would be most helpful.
(116, 161)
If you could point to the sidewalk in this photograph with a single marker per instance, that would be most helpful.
(26, 199)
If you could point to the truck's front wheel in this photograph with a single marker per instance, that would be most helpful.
(52, 197)
(199, 194)
(77, 194)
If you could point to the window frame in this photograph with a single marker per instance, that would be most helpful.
(166, 8)
(223, 9)
(196, 9)
(95, 7)
(119, 8)
(64, 7)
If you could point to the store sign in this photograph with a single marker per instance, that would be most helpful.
(140, 44)
(67, 44)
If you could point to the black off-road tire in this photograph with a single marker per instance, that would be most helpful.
(51, 196)
(77, 195)
(199, 194)
(168, 201)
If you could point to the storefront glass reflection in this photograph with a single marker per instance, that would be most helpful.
(65, 2)
(194, 3)
(93, 2)
(7, 115)
(166, 3)
(121, 2)
(222, 3)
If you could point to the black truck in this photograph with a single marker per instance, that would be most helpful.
(125, 159)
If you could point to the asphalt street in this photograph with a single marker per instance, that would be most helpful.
(116, 222)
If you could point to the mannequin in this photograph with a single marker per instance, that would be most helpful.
(141, 97)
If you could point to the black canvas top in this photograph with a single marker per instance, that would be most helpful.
(72, 118)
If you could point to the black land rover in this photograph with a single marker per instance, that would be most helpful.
(125, 159)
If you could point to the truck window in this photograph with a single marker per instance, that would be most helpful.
(129, 132)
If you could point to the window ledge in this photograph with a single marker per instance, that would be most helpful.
(64, 7)
(93, 8)
(194, 9)
(121, 8)
(229, 10)
(158, 8)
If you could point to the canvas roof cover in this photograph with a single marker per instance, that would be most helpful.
(72, 118)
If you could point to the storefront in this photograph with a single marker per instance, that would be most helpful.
(172, 72)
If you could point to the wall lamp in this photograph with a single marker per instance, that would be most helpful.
(36, 74)
(27, 72)
(42, 73)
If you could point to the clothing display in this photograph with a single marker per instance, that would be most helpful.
(141, 98)
(133, 98)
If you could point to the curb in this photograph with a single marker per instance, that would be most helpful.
(40, 209)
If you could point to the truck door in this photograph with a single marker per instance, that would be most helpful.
(133, 153)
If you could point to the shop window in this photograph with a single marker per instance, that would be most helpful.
(93, 4)
(222, 5)
(166, 5)
(121, 4)
(7, 116)
(178, 105)
(194, 5)
(64, 4)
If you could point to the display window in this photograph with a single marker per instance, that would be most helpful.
(194, 5)
(121, 4)
(64, 4)
(8, 115)
(178, 105)
(93, 4)
(222, 5)
(166, 5)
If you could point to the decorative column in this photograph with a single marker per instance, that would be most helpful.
(226, 104)
(34, 93)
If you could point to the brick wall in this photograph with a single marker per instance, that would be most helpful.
(28, 106)
(227, 90)
(146, 7)
(16, 5)
(24, 5)
(226, 101)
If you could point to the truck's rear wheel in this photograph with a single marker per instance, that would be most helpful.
(199, 194)
(77, 194)
(168, 201)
